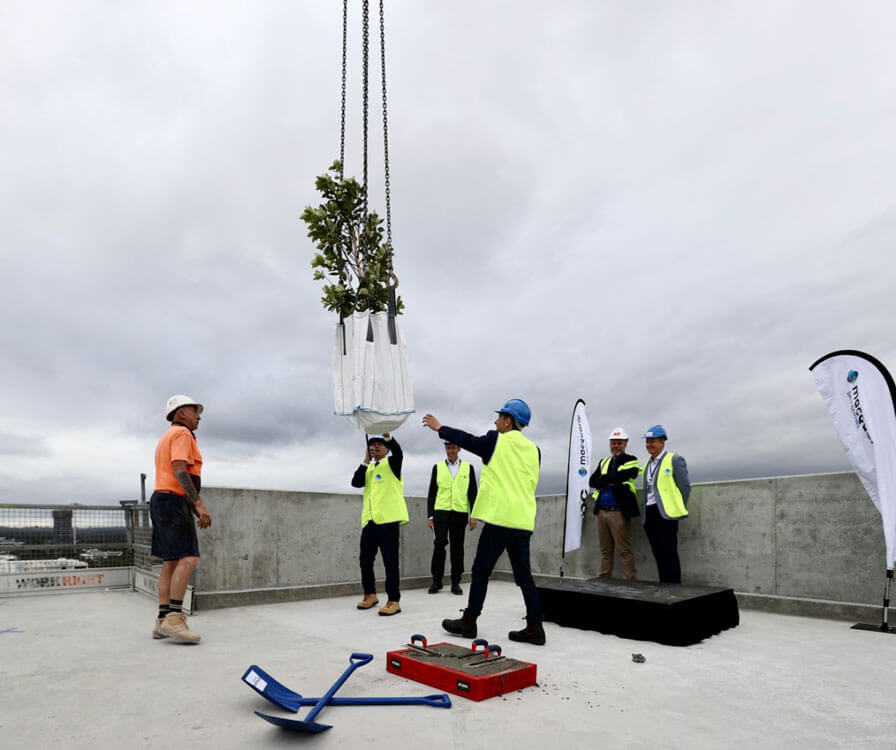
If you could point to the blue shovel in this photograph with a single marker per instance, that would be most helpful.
(276, 692)
(308, 725)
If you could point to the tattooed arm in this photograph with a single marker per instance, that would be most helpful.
(192, 496)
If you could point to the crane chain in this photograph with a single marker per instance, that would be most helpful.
(365, 31)
(344, 67)
(386, 134)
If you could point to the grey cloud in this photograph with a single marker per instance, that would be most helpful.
(17, 445)
(621, 203)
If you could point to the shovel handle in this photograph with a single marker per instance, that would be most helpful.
(417, 637)
(439, 700)
(355, 660)
(479, 642)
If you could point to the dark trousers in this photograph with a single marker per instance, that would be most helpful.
(492, 542)
(382, 537)
(663, 537)
(448, 525)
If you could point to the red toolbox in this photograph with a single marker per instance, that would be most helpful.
(474, 673)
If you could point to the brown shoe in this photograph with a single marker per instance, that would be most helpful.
(391, 608)
(175, 627)
(368, 601)
(157, 629)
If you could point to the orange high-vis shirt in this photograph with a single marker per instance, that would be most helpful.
(178, 444)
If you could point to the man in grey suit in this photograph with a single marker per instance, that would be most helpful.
(666, 492)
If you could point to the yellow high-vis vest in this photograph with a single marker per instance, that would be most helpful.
(671, 501)
(507, 492)
(451, 491)
(604, 467)
(383, 496)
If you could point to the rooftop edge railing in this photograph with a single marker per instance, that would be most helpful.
(67, 537)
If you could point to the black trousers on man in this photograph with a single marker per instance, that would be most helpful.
(448, 526)
(382, 537)
(492, 542)
(662, 534)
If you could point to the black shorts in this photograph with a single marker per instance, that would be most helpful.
(173, 527)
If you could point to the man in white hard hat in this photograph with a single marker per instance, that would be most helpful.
(615, 505)
(666, 491)
(174, 502)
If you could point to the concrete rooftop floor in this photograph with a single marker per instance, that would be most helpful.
(82, 671)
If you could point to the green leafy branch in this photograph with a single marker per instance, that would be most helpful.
(353, 261)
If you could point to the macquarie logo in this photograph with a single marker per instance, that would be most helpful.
(583, 471)
(852, 376)
(855, 405)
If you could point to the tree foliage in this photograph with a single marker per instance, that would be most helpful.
(352, 258)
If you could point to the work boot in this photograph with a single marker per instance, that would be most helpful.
(456, 589)
(391, 608)
(368, 601)
(175, 627)
(465, 627)
(533, 633)
(157, 629)
(435, 588)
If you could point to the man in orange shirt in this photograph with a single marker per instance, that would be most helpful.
(174, 501)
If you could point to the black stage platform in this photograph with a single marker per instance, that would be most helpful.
(668, 613)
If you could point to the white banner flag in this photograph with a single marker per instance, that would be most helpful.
(861, 398)
(577, 478)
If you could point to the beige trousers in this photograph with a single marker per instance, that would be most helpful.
(614, 530)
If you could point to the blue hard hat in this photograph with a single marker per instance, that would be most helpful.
(518, 409)
(657, 431)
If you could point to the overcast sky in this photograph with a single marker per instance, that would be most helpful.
(667, 209)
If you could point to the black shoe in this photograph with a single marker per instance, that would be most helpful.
(456, 589)
(435, 588)
(465, 627)
(533, 633)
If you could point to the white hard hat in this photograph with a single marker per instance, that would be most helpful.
(175, 402)
(618, 434)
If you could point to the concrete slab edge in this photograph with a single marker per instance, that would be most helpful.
(784, 605)
(830, 610)
(204, 600)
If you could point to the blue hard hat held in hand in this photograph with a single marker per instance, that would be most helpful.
(518, 409)
(657, 431)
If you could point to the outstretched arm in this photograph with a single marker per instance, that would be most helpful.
(482, 446)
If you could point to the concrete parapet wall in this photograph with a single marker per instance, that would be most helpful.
(815, 538)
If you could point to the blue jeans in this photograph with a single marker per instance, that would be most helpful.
(492, 542)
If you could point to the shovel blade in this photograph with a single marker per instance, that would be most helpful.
(295, 725)
(277, 693)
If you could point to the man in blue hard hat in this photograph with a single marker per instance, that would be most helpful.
(666, 492)
(506, 504)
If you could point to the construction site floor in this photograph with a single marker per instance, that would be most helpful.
(82, 671)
